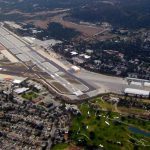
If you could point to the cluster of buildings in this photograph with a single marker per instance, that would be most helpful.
(18, 85)
(105, 61)
(31, 124)
(126, 53)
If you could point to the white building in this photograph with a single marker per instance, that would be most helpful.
(75, 68)
(19, 80)
(21, 90)
(139, 92)
(85, 56)
(74, 53)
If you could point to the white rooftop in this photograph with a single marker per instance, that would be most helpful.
(146, 84)
(17, 81)
(137, 92)
(78, 93)
(75, 68)
(85, 56)
(21, 90)
(73, 53)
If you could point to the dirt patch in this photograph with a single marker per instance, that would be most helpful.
(15, 66)
(87, 30)
(9, 56)
(40, 23)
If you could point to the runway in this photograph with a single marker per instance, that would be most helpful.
(25, 53)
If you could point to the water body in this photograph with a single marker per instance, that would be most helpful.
(139, 131)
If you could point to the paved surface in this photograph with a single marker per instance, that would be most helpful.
(107, 83)
(89, 80)
(24, 53)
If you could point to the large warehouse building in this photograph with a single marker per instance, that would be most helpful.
(137, 92)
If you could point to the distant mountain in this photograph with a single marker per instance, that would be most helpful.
(38, 5)
(124, 13)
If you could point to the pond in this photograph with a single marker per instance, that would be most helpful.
(139, 131)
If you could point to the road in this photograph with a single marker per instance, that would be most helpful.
(50, 139)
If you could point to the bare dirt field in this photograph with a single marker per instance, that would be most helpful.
(9, 56)
(15, 67)
(40, 23)
(87, 30)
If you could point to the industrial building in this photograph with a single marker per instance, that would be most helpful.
(137, 92)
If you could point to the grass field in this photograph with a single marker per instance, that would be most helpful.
(114, 108)
(30, 95)
(62, 146)
(108, 130)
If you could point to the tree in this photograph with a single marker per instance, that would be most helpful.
(92, 135)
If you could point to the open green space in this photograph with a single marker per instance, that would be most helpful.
(97, 128)
(65, 146)
(30, 95)
(120, 109)
(62, 146)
